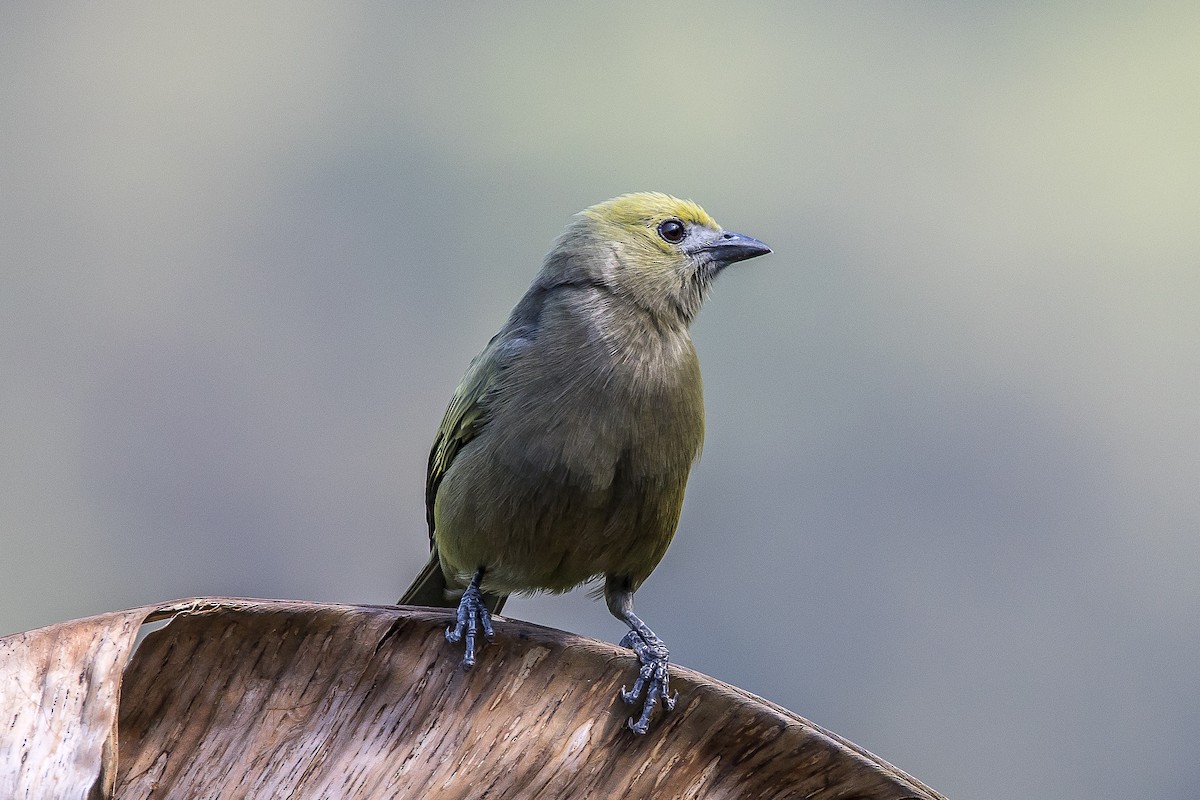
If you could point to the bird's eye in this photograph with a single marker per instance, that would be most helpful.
(672, 230)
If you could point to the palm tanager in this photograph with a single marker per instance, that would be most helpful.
(564, 453)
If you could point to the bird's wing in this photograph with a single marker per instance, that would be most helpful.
(466, 415)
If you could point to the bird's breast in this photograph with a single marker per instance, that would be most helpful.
(589, 411)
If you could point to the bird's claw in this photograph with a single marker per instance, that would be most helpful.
(472, 615)
(653, 681)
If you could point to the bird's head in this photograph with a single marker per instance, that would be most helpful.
(657, 251)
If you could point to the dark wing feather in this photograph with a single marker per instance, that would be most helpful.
(464, 419)
(462, 422)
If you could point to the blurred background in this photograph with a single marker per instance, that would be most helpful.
(949, 500)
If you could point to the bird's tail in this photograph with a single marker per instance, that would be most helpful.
(430, 589)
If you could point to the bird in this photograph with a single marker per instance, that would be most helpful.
(565, 451)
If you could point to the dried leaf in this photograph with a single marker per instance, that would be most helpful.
(251, 698)
(59, 689)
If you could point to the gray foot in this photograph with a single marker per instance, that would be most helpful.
(653, 679)
(472, 615)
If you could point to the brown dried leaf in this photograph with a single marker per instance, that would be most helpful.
(59, 689)
(247, 698)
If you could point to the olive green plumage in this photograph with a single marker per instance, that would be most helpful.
(564, 453)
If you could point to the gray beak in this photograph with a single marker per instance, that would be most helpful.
(730, 247)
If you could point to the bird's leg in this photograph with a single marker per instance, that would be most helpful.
(653, 680)
(472, 615)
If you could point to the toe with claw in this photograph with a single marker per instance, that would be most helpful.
(473, 615)
(653, 680)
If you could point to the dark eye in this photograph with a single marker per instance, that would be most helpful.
(672, 230)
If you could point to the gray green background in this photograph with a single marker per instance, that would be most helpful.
(950, 497)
